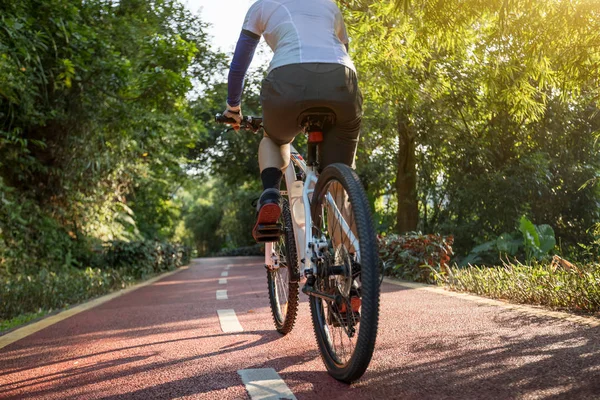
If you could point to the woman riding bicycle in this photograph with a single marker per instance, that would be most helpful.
(310, 68)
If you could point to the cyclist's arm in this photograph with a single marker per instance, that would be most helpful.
(244, 52)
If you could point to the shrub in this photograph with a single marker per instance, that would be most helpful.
(415, 256)
(122, 263)
(254, 250)
(143, 258)
(559, 284)
(533, 241)
(48, 290)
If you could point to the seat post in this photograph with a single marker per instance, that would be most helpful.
(314, 121)
(311, 159)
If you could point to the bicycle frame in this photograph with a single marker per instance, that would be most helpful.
(300, 204)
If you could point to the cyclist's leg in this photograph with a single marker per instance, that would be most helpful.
(279, 105)
(273, 155)
(340, 143)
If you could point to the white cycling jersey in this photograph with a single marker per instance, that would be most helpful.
(300, 31)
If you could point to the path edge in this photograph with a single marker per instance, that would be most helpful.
(526, 309)
(30, 329)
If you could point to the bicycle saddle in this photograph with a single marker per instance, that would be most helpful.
(316, 118)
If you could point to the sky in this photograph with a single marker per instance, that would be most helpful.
(226, 18)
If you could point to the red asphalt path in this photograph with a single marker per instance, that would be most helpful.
(164, 341)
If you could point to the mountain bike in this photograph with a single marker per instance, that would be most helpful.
(325, 234)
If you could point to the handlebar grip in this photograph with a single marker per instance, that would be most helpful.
(221, 119)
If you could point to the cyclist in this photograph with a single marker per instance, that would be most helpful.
(310, 68)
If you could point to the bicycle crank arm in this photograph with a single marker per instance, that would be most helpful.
(310, 291)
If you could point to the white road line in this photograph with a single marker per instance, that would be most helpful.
(265, 384)
(222, 295)
(224, 273)
(227, 267)
(229, 321)
(222, 281)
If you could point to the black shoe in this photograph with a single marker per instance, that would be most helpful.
(268, 211)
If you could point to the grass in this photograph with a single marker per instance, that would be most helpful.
(574, 289)
(8, 324)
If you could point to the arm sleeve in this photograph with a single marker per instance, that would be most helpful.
(244, 52)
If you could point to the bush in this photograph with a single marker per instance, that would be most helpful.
(49, 290)
(122, 263)
(533, 242)
(414, 256)
(255, 250)
(143, 258)
(559, 284)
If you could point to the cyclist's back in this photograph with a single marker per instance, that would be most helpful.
(310, 69)
(307, 31)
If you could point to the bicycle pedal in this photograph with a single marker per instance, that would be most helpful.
(272, 230)
(355, 304)
(268, 233)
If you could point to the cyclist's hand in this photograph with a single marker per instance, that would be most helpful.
(236, 114)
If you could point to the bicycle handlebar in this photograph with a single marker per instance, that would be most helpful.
(250, 123)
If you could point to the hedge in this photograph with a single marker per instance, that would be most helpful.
(124, 263)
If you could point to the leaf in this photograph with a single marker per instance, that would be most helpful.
(470, 259)
(487, 246)
(547, 238)
(529, 232)
(506, 243)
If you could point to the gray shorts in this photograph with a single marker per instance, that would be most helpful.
(290, 90)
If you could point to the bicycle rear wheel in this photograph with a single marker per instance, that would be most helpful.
(345, 328)
(283, 279)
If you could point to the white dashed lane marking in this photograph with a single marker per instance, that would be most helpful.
(222, 281)
(222, 295)
(229, 321)
(265, 384)
(227, 267)
(224, 273)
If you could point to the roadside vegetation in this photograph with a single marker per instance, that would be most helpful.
(522, 268)
(118, 265)
(95, 127)
(480, 146)
(546, 284)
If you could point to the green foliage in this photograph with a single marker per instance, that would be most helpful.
(545, 284)
(221, 217)
(31, 240)
(122, 264)
(533, 241)
(414, 256)
(94, 125)
(494, 106)
(257, 249)
(48, 290)
(538, 240)
(145, 258)
(9, 324)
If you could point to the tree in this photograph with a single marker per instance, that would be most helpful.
(461, 83)
(94, 121)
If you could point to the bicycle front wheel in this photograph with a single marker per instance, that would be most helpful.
(283, 279)
(348, 271)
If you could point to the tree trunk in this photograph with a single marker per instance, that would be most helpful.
(407, 217)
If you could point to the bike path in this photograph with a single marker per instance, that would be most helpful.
(166, 341)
